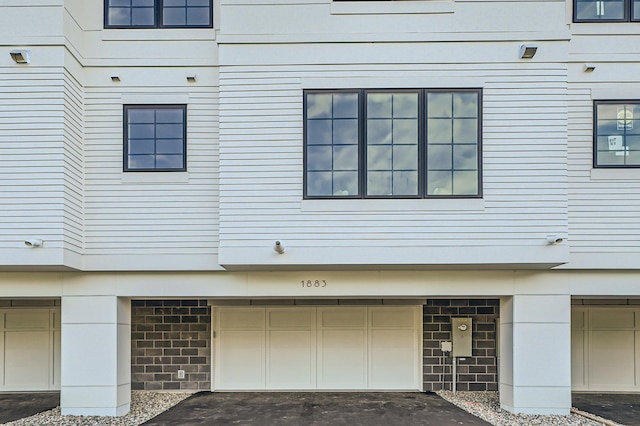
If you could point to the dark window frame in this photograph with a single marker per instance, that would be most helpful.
(125, 151)
(422, 143)
(595, 151)
(629, 7)
(158, 15)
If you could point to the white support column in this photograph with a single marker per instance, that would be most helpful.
(96, 356)
(535, 354)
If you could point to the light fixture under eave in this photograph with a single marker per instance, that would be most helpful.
(279, 247)
(21, 56)
(115, 79)
(554, 239)
(191, 78)
(34, 242)
(527, 51)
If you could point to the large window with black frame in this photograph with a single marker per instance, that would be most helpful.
(616, 134)
(606, 10)
(158, 13)
(409, 143)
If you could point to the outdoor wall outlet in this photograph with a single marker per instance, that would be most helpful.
(180, 374)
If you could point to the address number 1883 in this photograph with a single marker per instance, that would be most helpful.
(313, 283)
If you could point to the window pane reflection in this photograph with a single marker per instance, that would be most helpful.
(155, 138)
(332, 139)
(408, 143)
(617, 138)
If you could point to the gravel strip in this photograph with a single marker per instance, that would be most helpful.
(486, 405)
(144, 406)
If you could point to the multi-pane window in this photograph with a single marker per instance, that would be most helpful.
(158, 13)
(606, 10)
(411, 143)
(617, 134)
(155, 138)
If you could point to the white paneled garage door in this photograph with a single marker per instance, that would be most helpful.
(323, 347)
(29, 349)
(605, 349)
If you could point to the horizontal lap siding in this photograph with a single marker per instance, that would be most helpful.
(603, 212)
(524, 160)
(159, 215)
(32, 155)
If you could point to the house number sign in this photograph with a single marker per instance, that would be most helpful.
(313, 283)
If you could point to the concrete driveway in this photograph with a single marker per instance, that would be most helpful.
(315, 408)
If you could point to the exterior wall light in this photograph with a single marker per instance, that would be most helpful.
(191, 78)
(527, 51)
(589, 67)
(554, 239)
(278, 246)
(34, 242)
(21, 56)
(115, 79)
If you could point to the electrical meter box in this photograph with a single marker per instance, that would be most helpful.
(461, 336)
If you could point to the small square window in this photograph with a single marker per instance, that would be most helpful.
(155, 138)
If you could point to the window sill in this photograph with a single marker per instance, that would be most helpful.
(153, 34)
(395, 205)
(390, 7)
(154, 177)
(609, 28)
(615, 174)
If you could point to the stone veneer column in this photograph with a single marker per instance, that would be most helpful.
(96, 356)
(535, 354)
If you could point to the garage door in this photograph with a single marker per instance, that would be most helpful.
(29, 349)
(605, 349)
(308, 348)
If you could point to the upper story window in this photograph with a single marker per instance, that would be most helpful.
(392, 143)
(606, 10)
(155, 138)
(158, 13)
(617, 134)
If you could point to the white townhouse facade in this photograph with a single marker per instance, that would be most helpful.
(308, 195)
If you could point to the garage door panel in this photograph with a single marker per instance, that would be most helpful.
(27, 319)
(242, 356)
(392, 359)
(291, 318)
(578, 359)
(291, 359)
(612, 358)
(342, 359)
(241, 319)
(342, 317)
(56, 361)
(26, 359)
(612, 319)
(29, 349)
(392, 317)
